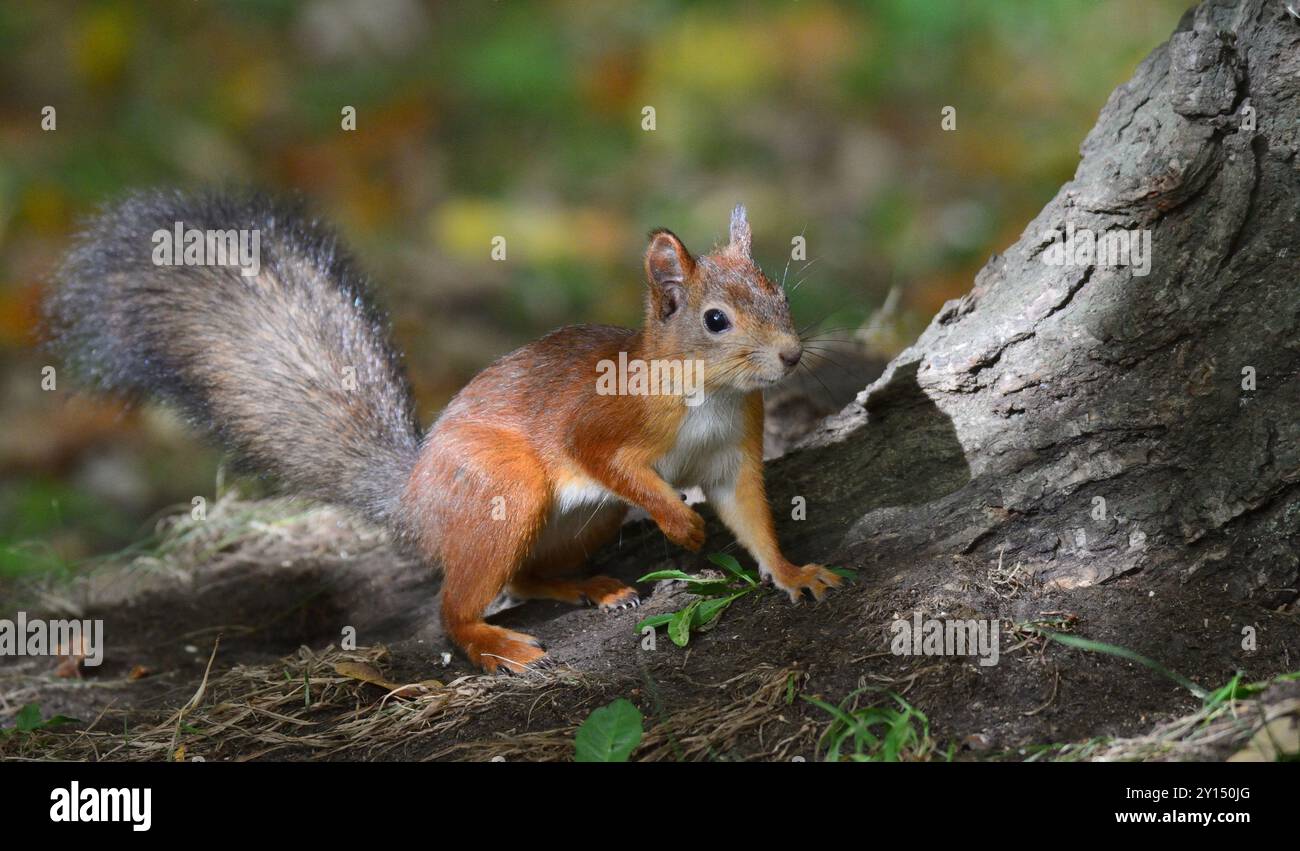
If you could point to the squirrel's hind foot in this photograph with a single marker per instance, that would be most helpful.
(499, 650)
(603, 592)
(608, 594)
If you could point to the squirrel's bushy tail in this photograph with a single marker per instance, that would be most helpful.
(290, 368)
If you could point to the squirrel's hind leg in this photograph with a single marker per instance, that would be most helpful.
(552, 570)
(486, 498)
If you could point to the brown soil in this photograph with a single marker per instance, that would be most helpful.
(265, 607)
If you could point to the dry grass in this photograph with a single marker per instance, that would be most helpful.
(298, 707)
(302, 707)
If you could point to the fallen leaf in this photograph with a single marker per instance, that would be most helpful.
(364, 672)
(370, 674)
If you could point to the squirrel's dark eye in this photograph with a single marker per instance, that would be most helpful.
(716, 321)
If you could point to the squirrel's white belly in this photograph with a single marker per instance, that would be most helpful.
(707, 451)
(578, 494)
(577, 505)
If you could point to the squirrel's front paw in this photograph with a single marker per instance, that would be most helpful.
(814, 578)
(685, 528)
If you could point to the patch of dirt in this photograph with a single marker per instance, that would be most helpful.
(732, 693)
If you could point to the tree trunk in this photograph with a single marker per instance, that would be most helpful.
(1084, 418)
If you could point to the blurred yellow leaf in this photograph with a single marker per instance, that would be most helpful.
(101, 44)
(467, 227)
(715, 54)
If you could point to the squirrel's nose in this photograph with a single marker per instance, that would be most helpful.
(790, 357)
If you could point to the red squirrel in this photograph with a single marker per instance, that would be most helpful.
(527, 471)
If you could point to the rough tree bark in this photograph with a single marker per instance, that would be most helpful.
(1088, 420)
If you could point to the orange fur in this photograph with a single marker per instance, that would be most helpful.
(745, 510)
(530, 469)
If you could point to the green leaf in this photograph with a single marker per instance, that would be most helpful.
(655, 621)
(714, 588)
(709, 611)
(656, 575)
(679, 628)
(28, 718)
(845, 572)
(729, 564)
(609, 734)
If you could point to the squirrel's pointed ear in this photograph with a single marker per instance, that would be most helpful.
(668, 265)
(740, 237)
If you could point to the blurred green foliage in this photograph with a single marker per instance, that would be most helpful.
(478, 119)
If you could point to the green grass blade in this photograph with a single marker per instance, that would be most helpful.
(1123, 653)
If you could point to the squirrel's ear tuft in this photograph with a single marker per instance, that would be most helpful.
(740, 238)
(668, 265)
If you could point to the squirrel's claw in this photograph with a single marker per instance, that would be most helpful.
(609, 595)
(816, 579)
